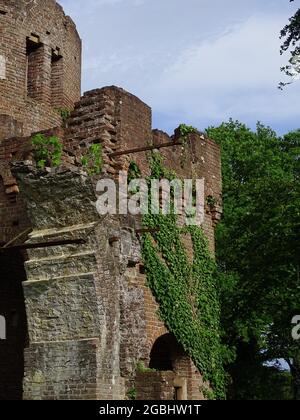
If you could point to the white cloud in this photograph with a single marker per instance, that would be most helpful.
(202, 61)
(92, 5)
(235, 75)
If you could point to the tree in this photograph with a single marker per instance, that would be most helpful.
(258, 243)
(291, 35)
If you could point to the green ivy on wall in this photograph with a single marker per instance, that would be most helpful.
(134, 171)
(186, 291)
(132, 394)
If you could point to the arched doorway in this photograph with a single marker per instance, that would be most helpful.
(164, 353)
(168, 355)
(12, 310)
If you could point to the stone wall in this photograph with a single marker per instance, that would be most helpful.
(40, 65)
(71, 293)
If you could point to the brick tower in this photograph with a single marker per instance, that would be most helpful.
(40, 65)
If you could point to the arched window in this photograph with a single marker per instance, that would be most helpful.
(165, 352)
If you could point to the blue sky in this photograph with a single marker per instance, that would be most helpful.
(198, 62)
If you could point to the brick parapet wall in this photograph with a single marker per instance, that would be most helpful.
(155, 386)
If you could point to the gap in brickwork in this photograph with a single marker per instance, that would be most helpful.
(56, 78)
(12, 308)
(161, 353)
(34, 65)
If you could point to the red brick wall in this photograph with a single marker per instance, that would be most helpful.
(155, 386)
(13, 213)
(113, 117)
(121, 121)
(13, 217)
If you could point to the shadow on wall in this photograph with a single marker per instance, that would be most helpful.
(12, 308)
(165, 353)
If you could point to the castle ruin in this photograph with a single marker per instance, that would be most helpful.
(79, 315)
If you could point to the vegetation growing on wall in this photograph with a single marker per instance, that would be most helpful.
(134, 171)
(132, 394)
(93, 159)
(64, 113)
(184, 132)
(47, 150)
(185, 290)
(141, 368)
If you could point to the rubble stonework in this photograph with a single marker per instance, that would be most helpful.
(80, 317)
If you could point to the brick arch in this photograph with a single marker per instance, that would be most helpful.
(166, 355)
(158, 332)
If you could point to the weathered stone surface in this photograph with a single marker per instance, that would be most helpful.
(62, 309)
(74, 360)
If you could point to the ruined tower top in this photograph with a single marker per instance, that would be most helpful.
(40, 65)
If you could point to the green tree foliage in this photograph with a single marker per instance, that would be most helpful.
(259, 382)
(291, 35)
(258, 244)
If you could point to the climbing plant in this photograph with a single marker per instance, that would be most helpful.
(47, 150)
(134, 171)
(93, 159)
(132, 394)
(184, 132)
(185, 288)
(211, 201)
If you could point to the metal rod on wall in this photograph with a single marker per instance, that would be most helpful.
(145, 149)
(44, 244)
